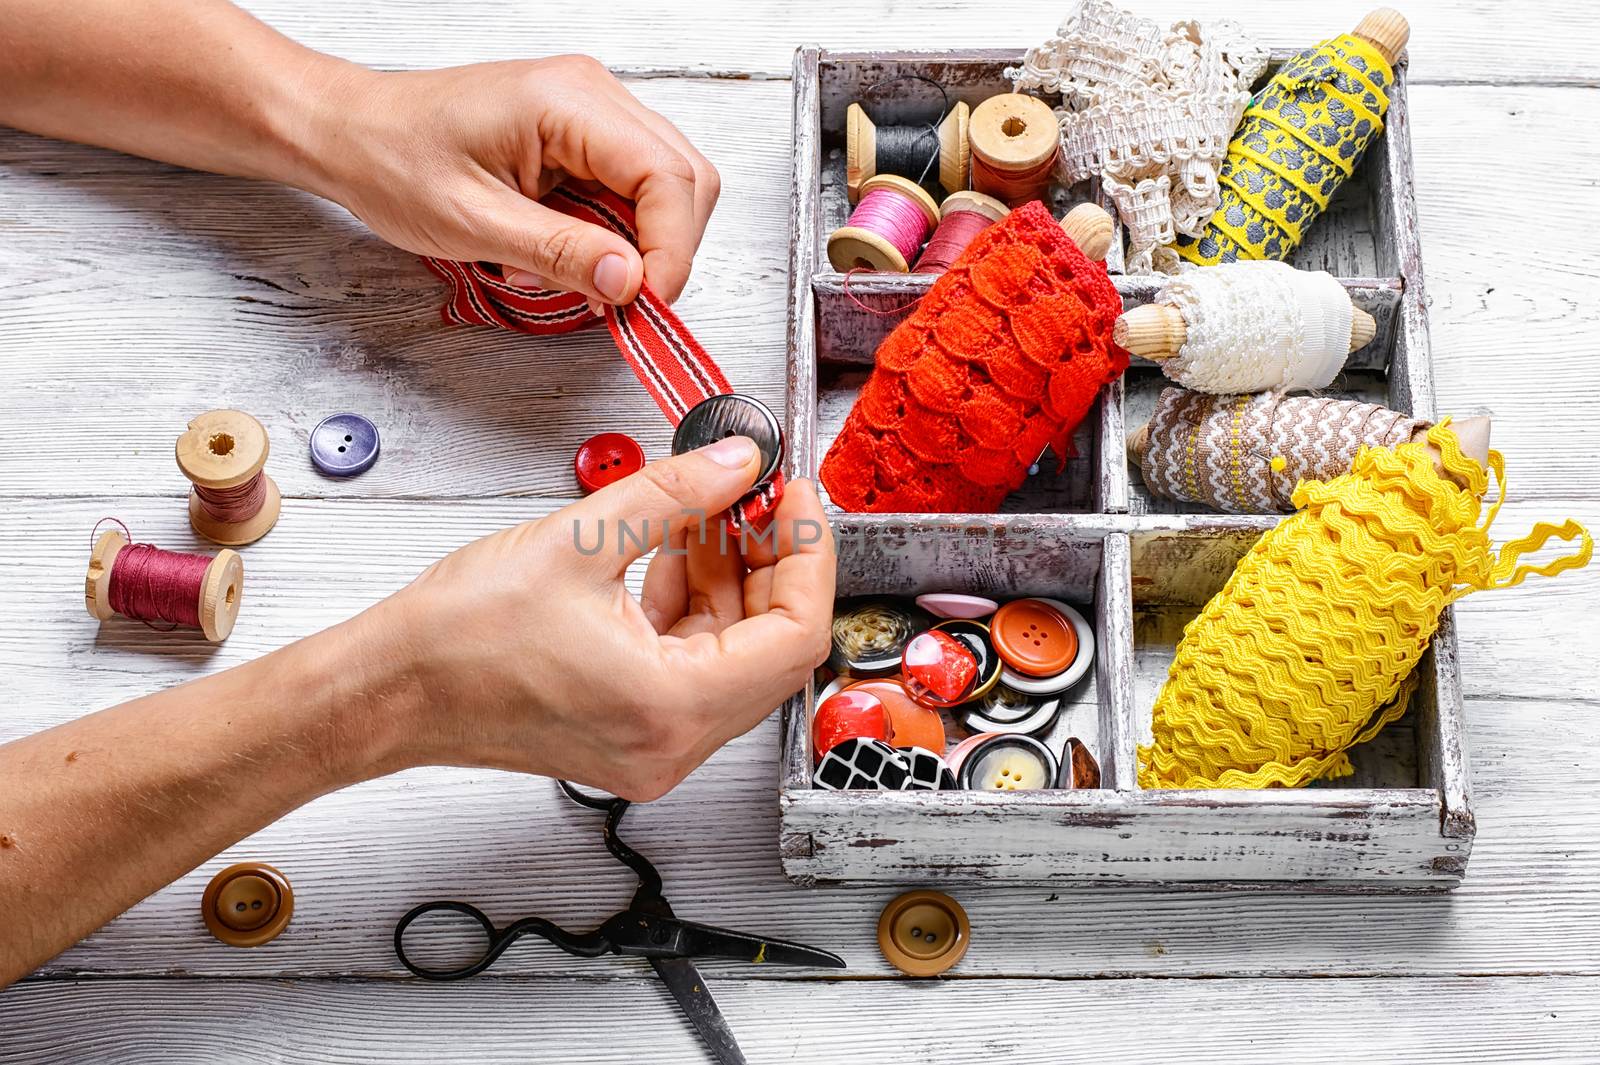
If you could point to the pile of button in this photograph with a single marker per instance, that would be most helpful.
(1001, 671)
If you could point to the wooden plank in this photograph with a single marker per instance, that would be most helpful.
(944, 1022)
(1476, 42)
(329, 558)
(1113, 621)
(158, 293)
(1381, 840)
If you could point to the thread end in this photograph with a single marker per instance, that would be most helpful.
(1139, 444)
(221, 592)
(861, 150)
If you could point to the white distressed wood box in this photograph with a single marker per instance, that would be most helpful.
(1095, 537)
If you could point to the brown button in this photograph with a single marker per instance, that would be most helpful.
(923, 933)
(247, 904)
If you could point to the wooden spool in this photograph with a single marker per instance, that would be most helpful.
(1387, 31)
(1472, 434)
(853, 248)
(224, 449)
(1156, 331)
(861, 150)
(1015, 136)
(1092, 230)
(220, 592)
(967, 200)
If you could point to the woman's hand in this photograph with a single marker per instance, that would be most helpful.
(450, 163)
(530, 654)
(441, 162)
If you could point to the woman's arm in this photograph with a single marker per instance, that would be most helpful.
(97, 813)
(445, 162)
(520, 651)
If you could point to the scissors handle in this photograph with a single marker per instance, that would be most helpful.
(496, 940)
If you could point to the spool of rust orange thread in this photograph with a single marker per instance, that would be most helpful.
(1015, 140)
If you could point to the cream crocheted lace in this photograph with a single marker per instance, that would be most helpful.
(1258, 326)
(1147, 111)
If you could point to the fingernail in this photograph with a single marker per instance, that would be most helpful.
(735, 452)
(611, 277)
(525, 279)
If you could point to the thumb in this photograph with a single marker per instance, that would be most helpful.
(625, 521)
(563, 252)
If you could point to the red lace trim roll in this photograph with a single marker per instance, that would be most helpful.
(1005, 354)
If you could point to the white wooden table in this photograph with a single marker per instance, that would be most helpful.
(134, 295)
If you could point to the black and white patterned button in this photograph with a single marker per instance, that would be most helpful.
(1009, 711)
(927, 771)
(862, 763)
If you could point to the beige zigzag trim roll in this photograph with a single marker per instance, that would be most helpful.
(1244, 454)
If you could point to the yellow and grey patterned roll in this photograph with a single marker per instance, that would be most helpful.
(1301, 137)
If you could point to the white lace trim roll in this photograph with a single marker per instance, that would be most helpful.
(1149, 112)
(1257, 327)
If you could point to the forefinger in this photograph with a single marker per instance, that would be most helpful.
(621, 151)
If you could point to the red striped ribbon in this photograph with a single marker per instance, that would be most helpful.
(664, 355)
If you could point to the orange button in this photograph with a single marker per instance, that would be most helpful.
(247, 904)
(923, 933)
(1033, 638)
(911, 723)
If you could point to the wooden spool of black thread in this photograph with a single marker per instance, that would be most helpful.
(908, 151)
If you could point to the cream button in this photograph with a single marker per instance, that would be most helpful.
(247, 904)
(1009, 763)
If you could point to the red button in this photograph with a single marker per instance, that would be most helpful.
(939, 670)
(606, 458)
(848, 715)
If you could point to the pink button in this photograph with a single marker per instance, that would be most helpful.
(953, 605)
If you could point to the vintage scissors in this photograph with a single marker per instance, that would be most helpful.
(646, 929)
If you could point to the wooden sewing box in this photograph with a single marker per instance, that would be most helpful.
(1139, 568)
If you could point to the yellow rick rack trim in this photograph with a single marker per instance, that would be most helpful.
(1309, 648)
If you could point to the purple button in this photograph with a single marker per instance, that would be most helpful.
(951, 605)
(343, 445)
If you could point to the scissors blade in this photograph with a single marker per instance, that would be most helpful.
(704, 941)
(683, 980)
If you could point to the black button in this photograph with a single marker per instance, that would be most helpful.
(728, 415)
